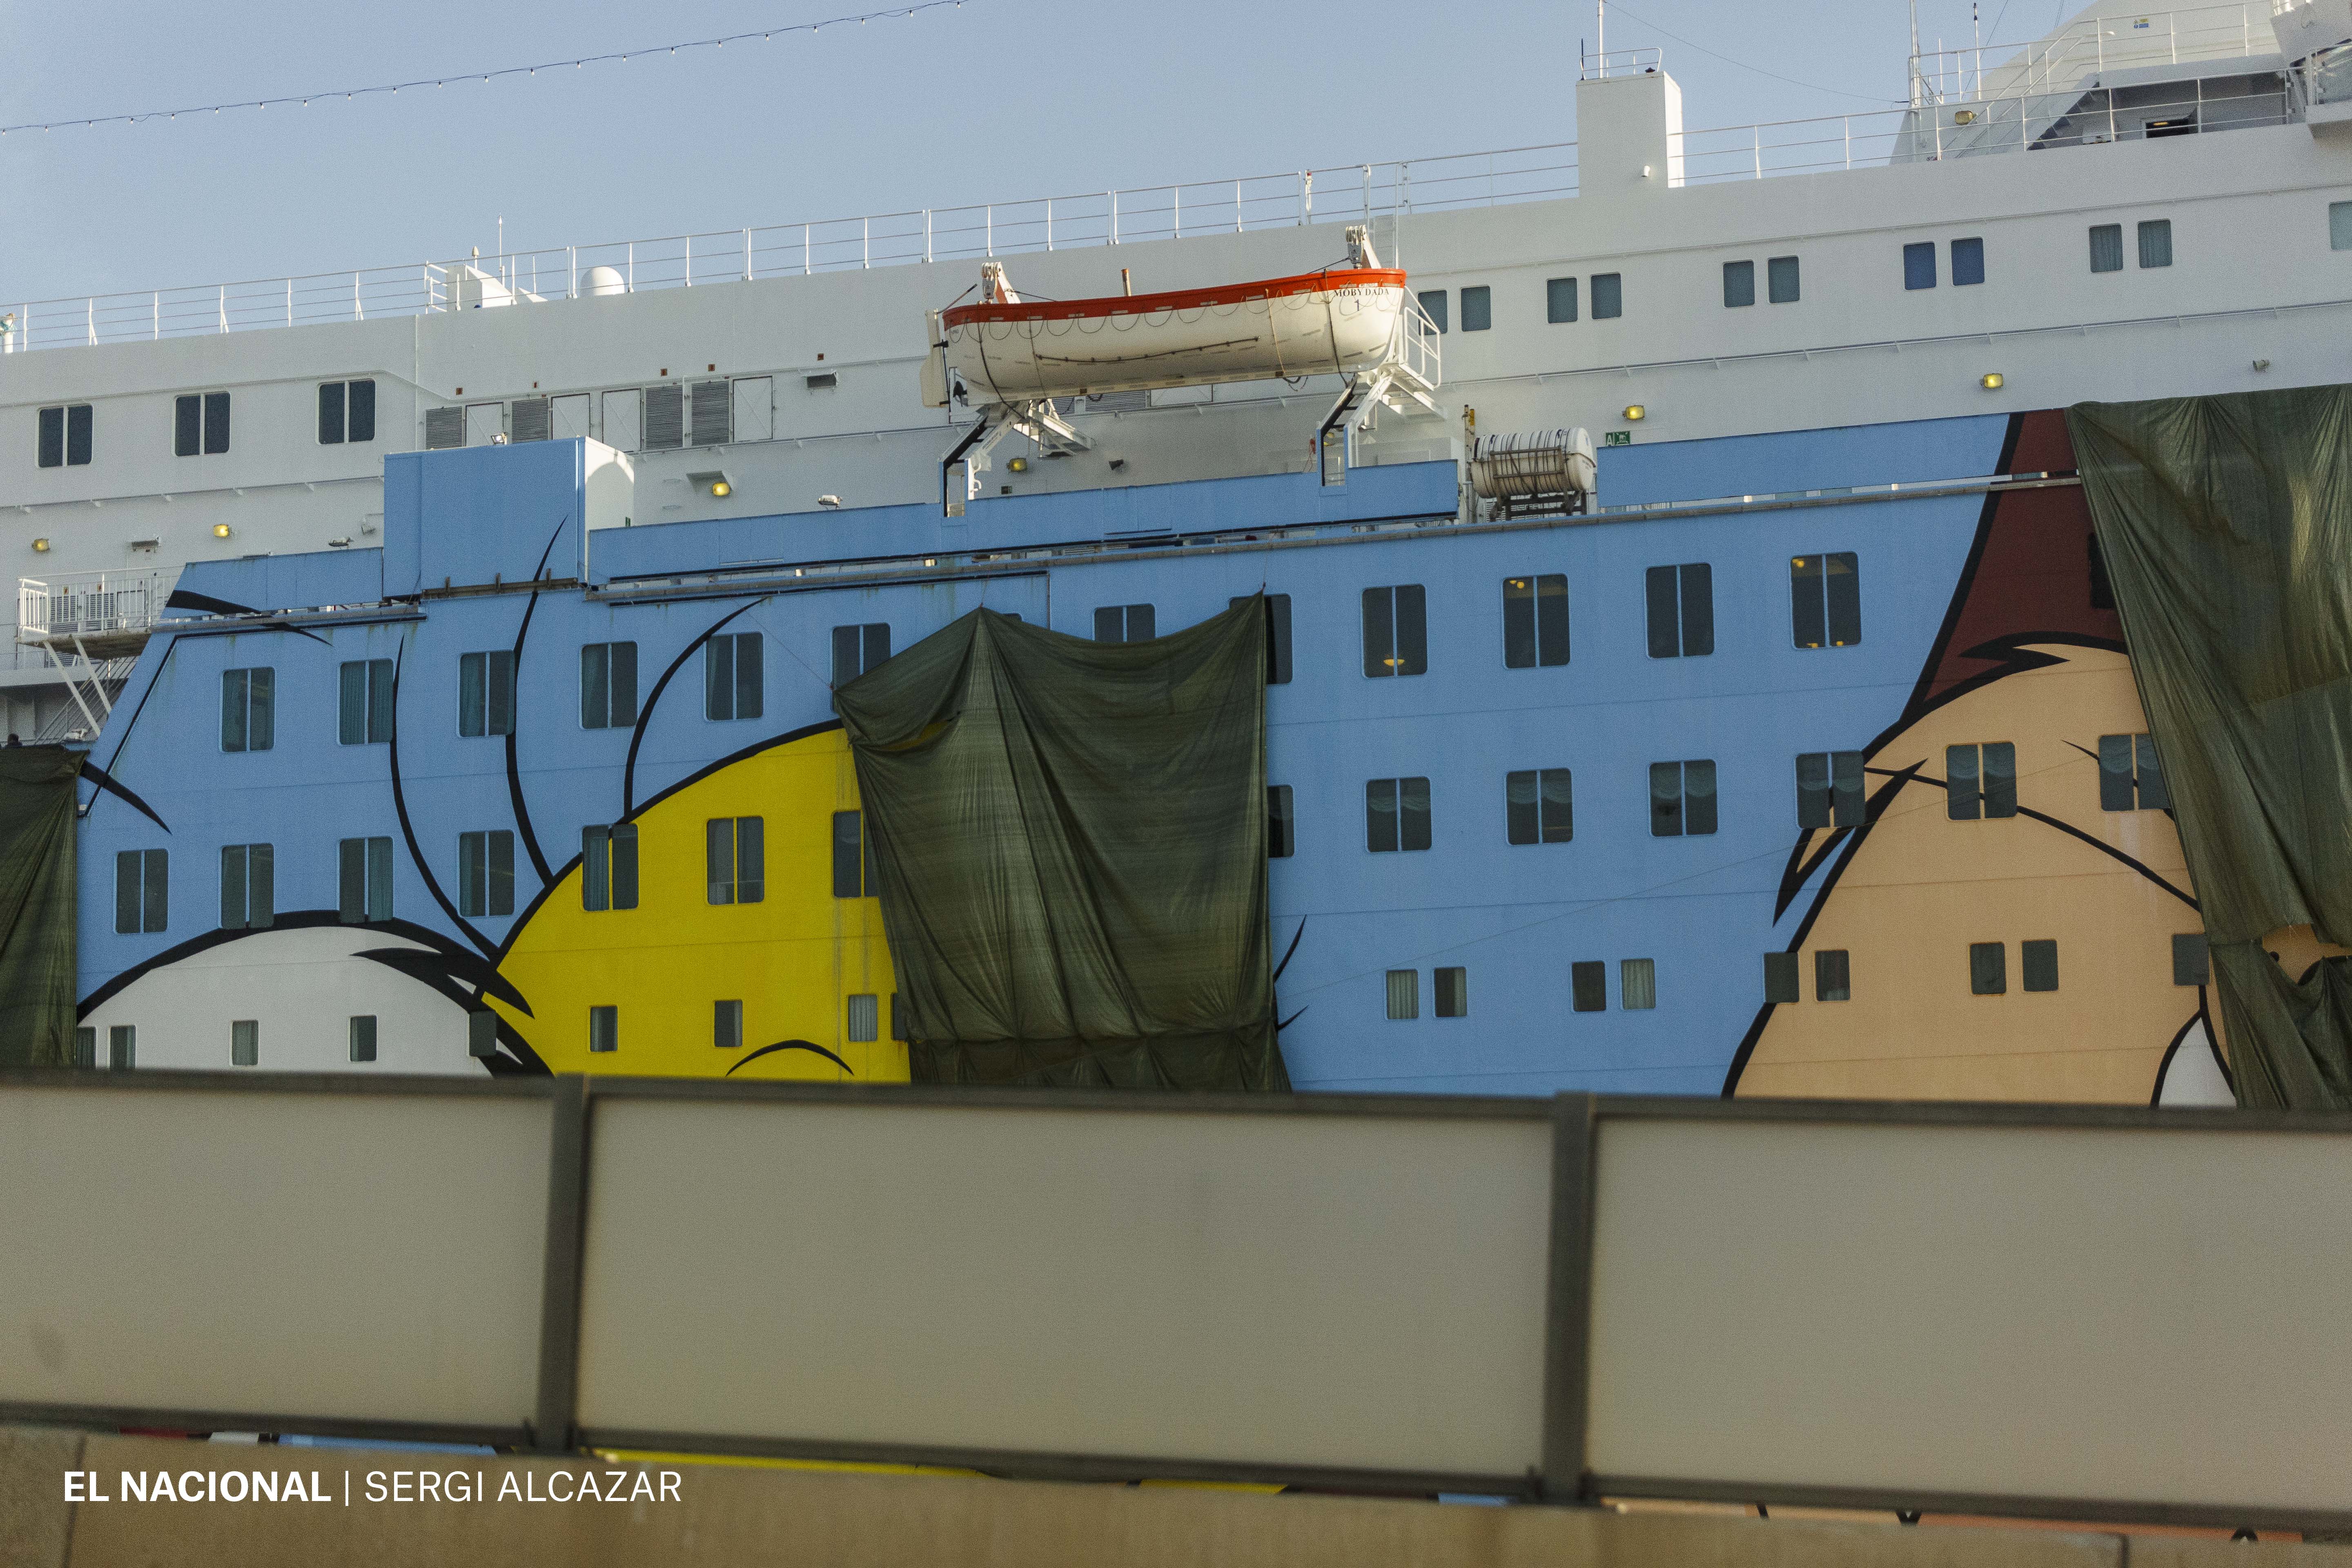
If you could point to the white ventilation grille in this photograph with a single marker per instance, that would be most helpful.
(529, 419)
(664, 416)
(444, 427)
(713, 410)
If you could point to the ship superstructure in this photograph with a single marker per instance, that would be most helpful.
(1816, 359)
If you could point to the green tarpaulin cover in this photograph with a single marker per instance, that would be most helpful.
(36, 905)
(1071, 842)
(2226, 523)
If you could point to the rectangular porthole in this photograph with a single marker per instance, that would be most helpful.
(123, 1046)
(362, 1035)
(1404, 992)
(1588, 982)
(1608, 295)
(1919, 265)
(1681, 610)
(1738, 284)
(1988, 969)
(1281, 832)
(2192, 963)
(726, 1024)
(1432, 301)
(1832, 975)
(1637, 985)
(603, 1029)
(1396, 815)
(2107, 247)
(1968, 262)
(2155, 242)
(1781, 280)
(1560, 294)
(2039, 961)
(865, 1018)
(1453, 992)
(1780, 977)
(1396, 631)
(245, 1042)
(482, 1035)
(1478, 308)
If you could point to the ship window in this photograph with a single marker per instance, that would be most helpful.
(608, 685)
(482, 1033)
(486, 692)
(248, 887)
(854, 875)
(1277, 638)
(1535, 621)
(1980, 781)
(1281, 827)
(1396, 815)
(1404, 992)
(1478, 316)
(856, 649)
(1919, 265)
(1540, 806)
(362, 880)
(123, 1046)
(245, 1042)
(1396, 630)
(486, 873)
(1968, 262)
(1780, 977)
(86, 1045)
(2130, 778)
(2191, 965)
(608, 867)
(1682, 799)
(1988, 969)
(1124, 623)
(603, 1029)
(1832, 975)
(2155, 242)
(1587, 983)
(64, 440)
(1682, 610)
(200, 422)
(364, 709)
(1560, 293)
(1738, 283)
(735, 859)
(1825, 600)
(2107, 248)
(1453, 992)
(2339, 226)
(1637, 984)
(248, 709)
(732, 686)
(1608, 295)
(2040, 965)
(362, 1036)
(865, 1017)
(1828, 790)
(1434, 302)
(1781, 280)
(330, 413)
(143, 890)
(346, 411)
(726, 1024)
(2102, 588)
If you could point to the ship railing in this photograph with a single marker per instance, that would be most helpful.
(97, 612)
(2094, 45)
(1347, 194)
(1598, 67)
(1975, 128)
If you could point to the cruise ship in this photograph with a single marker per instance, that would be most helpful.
(1691, 664)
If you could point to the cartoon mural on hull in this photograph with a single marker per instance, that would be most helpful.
(2012, 918)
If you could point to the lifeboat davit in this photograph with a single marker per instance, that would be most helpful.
(1339, 321)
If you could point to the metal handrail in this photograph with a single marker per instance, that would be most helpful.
(1347, 194)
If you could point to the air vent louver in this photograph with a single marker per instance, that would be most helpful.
(528, 419)
(664, 416)
(444, 427)
(712, 413)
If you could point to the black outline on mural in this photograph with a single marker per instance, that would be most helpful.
(408, 829)
(107, 783)
(645, 712)
(514, 767)
(182, 599)
(791, 1046)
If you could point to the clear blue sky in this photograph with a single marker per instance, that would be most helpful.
(999, 100)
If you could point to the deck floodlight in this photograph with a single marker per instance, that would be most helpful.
(40, 547)
(1635, 411)
(220, 531)
(1991, 381)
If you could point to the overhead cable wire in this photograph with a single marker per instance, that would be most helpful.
(1619, 5)
(304, 99)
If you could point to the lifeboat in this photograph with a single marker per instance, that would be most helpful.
(1339, 321)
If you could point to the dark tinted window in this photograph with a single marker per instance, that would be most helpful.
(486, 693)
(1830, 790)
(1125, 623)
(1780, 977)
(1682, 799)
(856, 649)
(249, 886)
(1980, 781)
(2130, 777)
(1738, 283)
(1608, 295)
(2107, 247)
(187, 427)
(1454, 993)
(364, 702)
(1396, 630)
(330, 413)
(732, 676)
(1825, 600)
(1781, 280)
(2191, 965)
(2103, 592)
(1277, 638)
(1832, 975)
(1396, 813)
(486, 873)
(1433, 301)
(1968, 262)
(362, 411)
(2040, 965)
(49, 446)
(2155, 242)
(1560, 299)
(1919, 265)
(608, 685)
(1589, 985)
(1988, 969)
(248, 709)
(1681, 601)
(1539, 807)
(1535, 621)
(364, 880)
(215, 422)
(1281, 832)
(735, 859)
(1478, 316)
